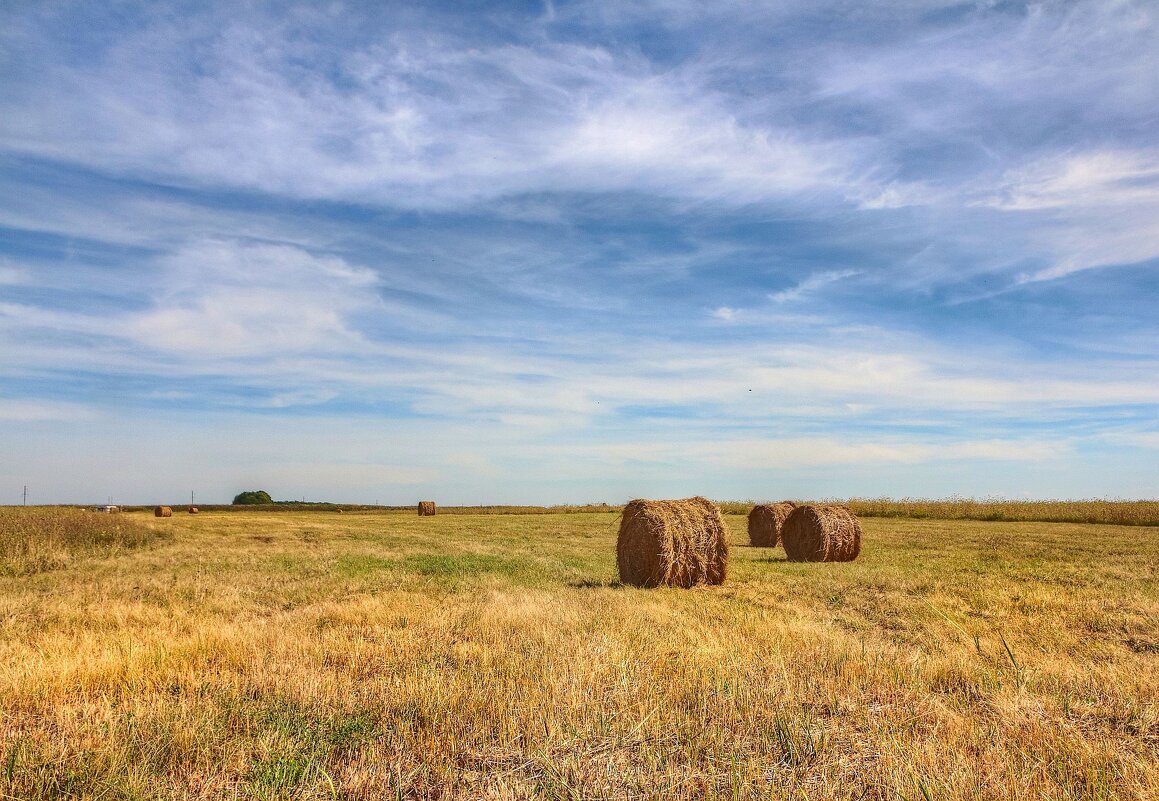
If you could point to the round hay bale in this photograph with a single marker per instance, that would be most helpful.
(163, 511)
(426, 508)
(765, 521)
(192, 510)
(821, 533)
(674, 543)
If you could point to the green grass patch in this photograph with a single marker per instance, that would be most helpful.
(465, 565)
(363, 565)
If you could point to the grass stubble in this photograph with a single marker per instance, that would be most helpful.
(382, 655)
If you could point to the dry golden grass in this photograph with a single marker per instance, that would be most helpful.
(382, 655)
(42, 538)
(1122, 513)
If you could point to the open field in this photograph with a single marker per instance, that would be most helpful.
(1119, 513)
(371, 655)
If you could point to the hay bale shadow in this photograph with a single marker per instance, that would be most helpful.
(594, 584)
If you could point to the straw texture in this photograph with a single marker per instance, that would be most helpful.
(821, 533)
(674, 543)
(765, 521)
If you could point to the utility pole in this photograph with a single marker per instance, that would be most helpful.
(25, 494)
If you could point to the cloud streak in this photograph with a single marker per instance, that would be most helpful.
(423, 121)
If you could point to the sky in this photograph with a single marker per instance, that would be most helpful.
(578, 252)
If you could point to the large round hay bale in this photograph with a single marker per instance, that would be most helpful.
(426, 508)
(193, 510)
(821, 533)
(765, 521)
(675, 543)
(163, 511)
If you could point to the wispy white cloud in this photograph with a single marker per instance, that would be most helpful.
(422, 120)
(39, 411)
(1082, 181)
(219, 299)
(313, 351)
(674, 137)
(11, 274)
(1035, 115)
(812, 283)
(805, 452)
(1094, 209)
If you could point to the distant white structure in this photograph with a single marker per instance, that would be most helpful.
(109, 509)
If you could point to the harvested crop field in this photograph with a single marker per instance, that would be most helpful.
(371, 655)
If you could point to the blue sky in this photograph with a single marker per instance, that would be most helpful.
(571, 252)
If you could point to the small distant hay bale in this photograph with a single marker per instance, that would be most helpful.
(426, 508)
(673, 543)
(193, 510)
(821, 533)
(163, 511)
(765, 521)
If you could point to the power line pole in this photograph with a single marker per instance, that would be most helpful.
(25, 494)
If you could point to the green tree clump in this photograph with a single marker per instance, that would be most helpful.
(253, 496)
